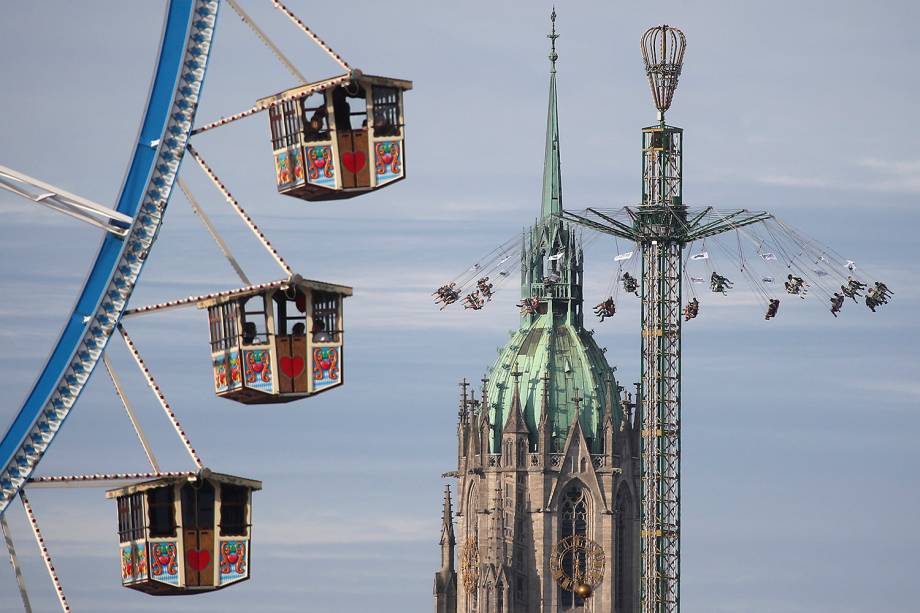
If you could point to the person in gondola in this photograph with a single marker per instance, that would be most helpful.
(249, 332)
(320, 334)
(341, 110)
(836, 303)
(772, 309)
(630, 284)
(316, 125)
(605, 309)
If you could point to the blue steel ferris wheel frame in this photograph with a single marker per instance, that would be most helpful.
(175, 91)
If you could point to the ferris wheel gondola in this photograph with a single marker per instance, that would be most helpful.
(186, 534)
(338, 138)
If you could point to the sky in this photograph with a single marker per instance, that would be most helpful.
(799, 464)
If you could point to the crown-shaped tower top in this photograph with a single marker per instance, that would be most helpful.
(663, 52)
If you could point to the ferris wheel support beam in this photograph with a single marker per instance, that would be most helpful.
(116, 381)
(299, 92)
(151, 382)
(266, 40)
(221, 244)
(258, 108)
(316, 39)
(233, 202)
(43, 550)
(103, 479)
(158, 151)
(64, 202)
(14, 562)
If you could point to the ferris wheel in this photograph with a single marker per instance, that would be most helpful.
(188, 532)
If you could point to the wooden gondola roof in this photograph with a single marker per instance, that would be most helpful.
(309, 88)
(190, 477)
(254, 290)
(206, 300)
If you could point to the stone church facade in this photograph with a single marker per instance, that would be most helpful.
(548, 451)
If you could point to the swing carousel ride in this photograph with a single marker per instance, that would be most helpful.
(666, 254)
(189, 532)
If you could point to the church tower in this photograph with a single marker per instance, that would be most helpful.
(547, 516)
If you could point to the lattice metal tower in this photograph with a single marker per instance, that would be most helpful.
(662, 226)
(661, 223)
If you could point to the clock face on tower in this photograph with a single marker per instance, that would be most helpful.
(469, 564)
(577, 564)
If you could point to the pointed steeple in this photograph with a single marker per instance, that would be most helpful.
(485, 428)
(545, 426)
(445, 580)
(552, 175)
(516, 424)
(447, 534)
(607, 425)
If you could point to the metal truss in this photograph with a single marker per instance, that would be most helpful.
(660, 418)
(700, 222)
(662, 227)
(64, 202)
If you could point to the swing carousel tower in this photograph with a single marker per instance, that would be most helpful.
(662, 227)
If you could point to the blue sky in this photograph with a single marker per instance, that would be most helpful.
(799, 457)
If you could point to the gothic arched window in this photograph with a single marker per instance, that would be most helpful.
(622, 551)
(573, 521)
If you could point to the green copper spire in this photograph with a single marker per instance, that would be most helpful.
(552, 176)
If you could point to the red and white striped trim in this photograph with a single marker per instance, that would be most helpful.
(63, 480)
(316, 39)
(229, 119)
(46, 556)
(236, 205)
(299, 92)
(159, 394)
(183, 302)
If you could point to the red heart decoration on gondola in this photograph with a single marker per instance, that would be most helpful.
(292, 367)
(353, 161)
(198, 559)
